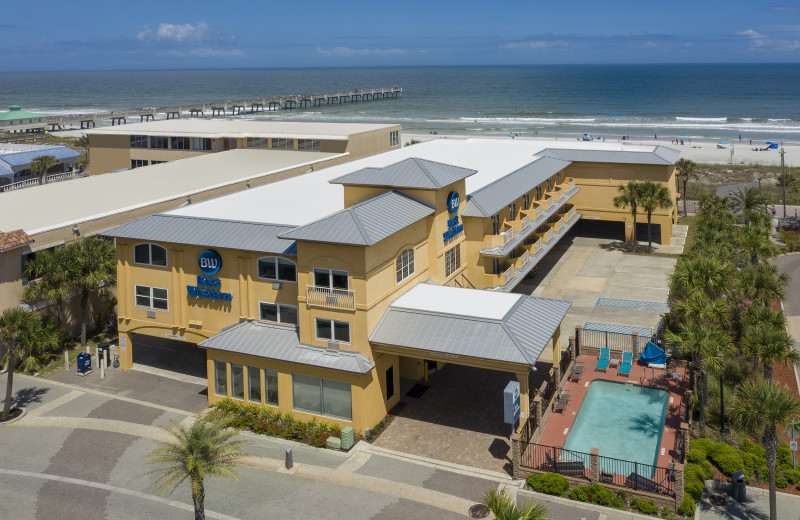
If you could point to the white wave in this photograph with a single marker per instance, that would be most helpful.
(703, 119)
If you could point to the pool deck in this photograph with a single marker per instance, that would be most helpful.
(558, 424)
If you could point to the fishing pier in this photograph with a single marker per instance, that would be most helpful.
(226, 108)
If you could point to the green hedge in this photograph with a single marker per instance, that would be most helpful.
(727, 458)
(549, 483)
(598, 494)
(687, 507)
(647, 507)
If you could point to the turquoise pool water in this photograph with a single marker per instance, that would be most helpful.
(623, 421)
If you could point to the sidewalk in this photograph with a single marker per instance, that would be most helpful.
(718, 504)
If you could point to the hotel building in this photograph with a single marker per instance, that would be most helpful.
(316, 294)
(121, 147)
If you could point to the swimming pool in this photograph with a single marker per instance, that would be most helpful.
(623, 421)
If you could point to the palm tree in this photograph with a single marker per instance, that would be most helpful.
(83, 144)
(765, 316)
(705, 273)
(203, 449)
(629, 197)
(760, 408)
(756, 244)
(687, 170)
(770, 345)
(15, 326)
(41, 164)
(36, 347)
(48, 271)
(504, 508)
(749, 200)
(653, 196)
(93, 264)
(762, 284)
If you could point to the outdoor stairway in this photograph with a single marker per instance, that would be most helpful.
(678, 235)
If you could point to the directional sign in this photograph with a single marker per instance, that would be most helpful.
(511, 402)
(793, 445)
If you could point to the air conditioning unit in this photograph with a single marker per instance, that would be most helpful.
(333, 345)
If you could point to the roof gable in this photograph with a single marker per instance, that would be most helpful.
(408, 173)
(659, 156)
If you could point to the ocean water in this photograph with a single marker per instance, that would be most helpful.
(689, 101)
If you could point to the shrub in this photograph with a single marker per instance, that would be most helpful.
(647, 507)
(696, 455)
(549, 483)
(708, 469)
(748, 446)
(666, 512)
(687, 507)
(597, 494)
(727, 459)
(703, 444)
(694, 489)
(793, 476)
(784, 459)
(781, 482)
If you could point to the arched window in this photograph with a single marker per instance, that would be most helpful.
(150, 254)
(405, 264)
(277, 268)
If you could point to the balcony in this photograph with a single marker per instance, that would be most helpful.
(508, 235)
(328, 298)
(508, 274)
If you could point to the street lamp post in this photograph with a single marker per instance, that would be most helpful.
(783, 176)
(721, 404)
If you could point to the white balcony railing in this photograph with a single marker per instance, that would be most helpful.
(570, 214)
(508, 274)
(571, 185)
(549, 235)
(539, 211)
(330, 298)
(526, 221)
(560, 193)
(538, 244)
(526, 257)
(508, 235)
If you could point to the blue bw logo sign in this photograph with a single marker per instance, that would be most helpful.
(210, 262)
(453, 202)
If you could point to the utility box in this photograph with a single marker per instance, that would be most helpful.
(104, 348)
(348, 438)
(334, 443)
(739, 487)
(84, 363)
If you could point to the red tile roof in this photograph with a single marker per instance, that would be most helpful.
(12, 239)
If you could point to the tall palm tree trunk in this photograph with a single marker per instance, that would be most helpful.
(768, 373)
(685, 210)
(649, 237)
(634, 232)
(703, 399)
(199, 503)
(771, 445)
(12, 354)
(84, 306)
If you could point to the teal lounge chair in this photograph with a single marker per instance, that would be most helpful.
(605, 357)
(627, 363)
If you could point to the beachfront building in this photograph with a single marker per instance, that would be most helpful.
(135, 145)
(15, 162)
(18, 120)
(317, 294)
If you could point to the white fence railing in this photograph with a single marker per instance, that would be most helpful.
(526, 221)
(538, 244)
(570, 214)
(539, 211)
(508, 235)
(508, 274)
(35, 181)
(330, 298)
(526, 257)
(549, 234)
(571, 185)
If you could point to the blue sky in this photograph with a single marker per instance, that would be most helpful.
(43, 35)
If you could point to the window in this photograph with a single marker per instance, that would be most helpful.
(452, 260)
(150, 254)
(257, 142)
(333, 330)
(151, 298)
(330, 278)
(201, 143)
(278, 313)
(310, 145)
(390, 382)
(322, 396)
(526, 201)
(512, 211)
(180, 143)
(405, 265)
(254, 384)
(221, 378)
(159, 142)
(26, 257)
(138, 163)
(237, 381)
(156, 162)
(138, 141)
(394, 138)
(271, 385)
(282, 144)
(229, 144)
(276, 268)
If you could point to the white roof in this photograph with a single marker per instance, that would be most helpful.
(455, 300)
(216, 128)
(307, 198)
(52, 206)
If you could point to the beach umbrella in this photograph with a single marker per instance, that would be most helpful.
(512, 135)
(723, 142)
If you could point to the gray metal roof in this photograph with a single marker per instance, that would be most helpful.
(365, 223)
(248, 236)
(282, 343)
(661, 155)
(490, 199)
(408, 173)
(519, 337)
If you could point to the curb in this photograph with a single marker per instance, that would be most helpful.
(12, 421)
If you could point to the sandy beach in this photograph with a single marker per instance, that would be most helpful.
(699, 151)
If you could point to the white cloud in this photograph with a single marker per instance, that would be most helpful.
(750, 33)
(536, 44)
(347, 52)
(203, 53)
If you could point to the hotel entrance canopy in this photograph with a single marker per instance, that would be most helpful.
(469, 326)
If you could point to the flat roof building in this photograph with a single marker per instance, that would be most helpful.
(15, 162)
(18, 120)
(140, 144)
(316, 294)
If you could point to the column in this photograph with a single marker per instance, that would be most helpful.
(125, 351)
(244, 297)
(571, 349)
(516, 452)
(635, 346)
(557, 353)
(524, 398)
(123, 277)
(685, 436)
(176, 290)
(594, 454)
(577, 341)
(537, 410)
(678, 473)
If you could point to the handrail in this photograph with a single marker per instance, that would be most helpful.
(508, 235)
(526, 257)
(508, 274)
(330, 298)
(526, 221)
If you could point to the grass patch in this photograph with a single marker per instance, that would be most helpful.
(73, 347)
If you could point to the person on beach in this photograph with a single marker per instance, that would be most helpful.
(655, 137)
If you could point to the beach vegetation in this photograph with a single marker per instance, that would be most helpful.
(41, 164)
(549, 483)
(629, 197)
(93, 265)
(503, 507)
(653, 196)
(688, 171)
